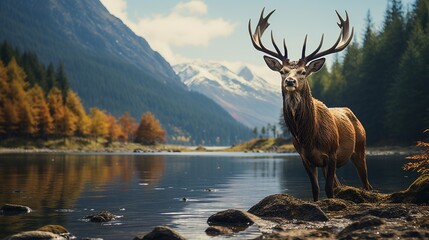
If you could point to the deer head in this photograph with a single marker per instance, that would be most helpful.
(294, 73)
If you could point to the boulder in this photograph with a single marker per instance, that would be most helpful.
(218, 230)
(161, 233)
(103, 216)
(231, 217)
(357, 195)
(332, 204)
(417, 192)
(363, 223)
(14, 209)
(287, 207)
(57, 229)
(36, 235)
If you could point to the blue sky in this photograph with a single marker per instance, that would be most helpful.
(216, 30)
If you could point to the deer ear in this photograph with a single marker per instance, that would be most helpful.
(272, 63)
(315, 66)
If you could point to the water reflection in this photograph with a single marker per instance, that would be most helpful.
(147, 189)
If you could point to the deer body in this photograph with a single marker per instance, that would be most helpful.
(324, 137)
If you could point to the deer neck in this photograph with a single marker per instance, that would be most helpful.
(299, 115)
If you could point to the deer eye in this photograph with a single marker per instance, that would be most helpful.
(302, 72)
(282, 72)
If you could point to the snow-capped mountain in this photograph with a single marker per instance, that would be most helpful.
(249, 99)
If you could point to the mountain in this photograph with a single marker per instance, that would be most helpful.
(248, 98)
(110, 67)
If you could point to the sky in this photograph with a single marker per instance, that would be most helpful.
(217, 30)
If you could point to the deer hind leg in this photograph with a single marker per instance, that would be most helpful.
(359, 160)
(330, 176)
(336, 181)
(312, 174)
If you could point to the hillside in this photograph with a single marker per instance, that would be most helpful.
(112, 68)
(250, 99)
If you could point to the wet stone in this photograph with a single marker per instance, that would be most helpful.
(103, 216)
(287, 207)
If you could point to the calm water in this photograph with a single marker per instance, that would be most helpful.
(147, 190)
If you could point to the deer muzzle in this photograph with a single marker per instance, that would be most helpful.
(290, 84)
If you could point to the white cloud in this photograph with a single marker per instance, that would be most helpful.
(117, 8)
(186, 25)
(191, 7)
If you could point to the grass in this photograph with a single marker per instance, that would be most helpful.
(264, 145)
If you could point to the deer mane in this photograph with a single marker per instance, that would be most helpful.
(300, 116)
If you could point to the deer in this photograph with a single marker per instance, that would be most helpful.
(324, 137)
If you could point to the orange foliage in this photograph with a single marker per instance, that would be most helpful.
(419, 162)
(128, 125)
(149, 130)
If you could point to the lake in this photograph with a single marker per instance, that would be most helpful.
(147, 190)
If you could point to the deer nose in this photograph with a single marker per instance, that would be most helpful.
(290, 82)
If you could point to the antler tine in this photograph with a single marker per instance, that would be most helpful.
(256, 37)
(275, 45)
(304, 46)
(343, 40)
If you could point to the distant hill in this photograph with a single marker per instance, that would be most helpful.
(250, 99)
(112, 68)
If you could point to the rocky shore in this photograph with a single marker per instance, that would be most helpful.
(352, 214)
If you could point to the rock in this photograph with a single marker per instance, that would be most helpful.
(14, 209)
(297, 234)
(389, 212)
(200, 148)
(231, 217)
(288, 207)
(36, 235)
(218, 230)
(332, 204)
(57, 229)
(357, 195)
(103, 216)
(363, 223)
(161, 233)
(417, 192)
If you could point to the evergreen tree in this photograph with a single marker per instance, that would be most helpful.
(62, 82)
(408, 105)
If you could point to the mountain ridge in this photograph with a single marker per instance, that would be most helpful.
(111, 67)
(250, 99)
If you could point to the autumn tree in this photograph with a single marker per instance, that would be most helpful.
(114, 129)
(74, 104)
(56, 107)
(19, 98)
(40, 110)
(149, 131)
(99, 123)
(129, 126)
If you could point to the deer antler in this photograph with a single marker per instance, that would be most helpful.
(256, 37)
(343, 40)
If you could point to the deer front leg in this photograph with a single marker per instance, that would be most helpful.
(312, 174)
(330, 176)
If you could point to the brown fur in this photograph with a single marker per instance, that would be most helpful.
(324, 137)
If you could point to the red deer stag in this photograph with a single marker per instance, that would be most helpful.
(324, 137)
